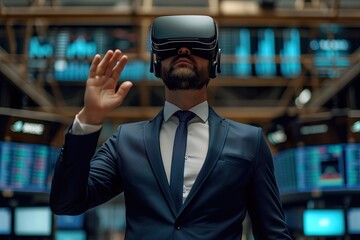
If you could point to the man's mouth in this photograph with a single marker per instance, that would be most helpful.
(184, 60)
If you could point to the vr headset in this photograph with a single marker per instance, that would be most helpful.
(198, 33)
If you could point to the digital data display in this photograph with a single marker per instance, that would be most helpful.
(353, 165)
(353, 221)
(70, 235)
(328, 167)
(285, 171)
(72, 49)
(331, 55)
(5, 221)
(20, 129)
(290, 53)
(324, 222)
(26, 167)
(33, 221)
(70, 222)
(320, 167)
(65, 52)
(263, 52)
(255, 51)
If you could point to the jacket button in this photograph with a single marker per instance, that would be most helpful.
(178, 227)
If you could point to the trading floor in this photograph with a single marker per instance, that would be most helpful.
(290, 67)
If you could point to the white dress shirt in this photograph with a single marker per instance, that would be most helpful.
(197, 140)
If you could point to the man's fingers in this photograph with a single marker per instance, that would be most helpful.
(124, 89)
(119, 67)
(101, 68)
(112, 62)
(94, 65)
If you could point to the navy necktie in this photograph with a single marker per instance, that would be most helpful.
(178, 157)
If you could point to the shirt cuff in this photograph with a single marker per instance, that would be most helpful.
(79, 128)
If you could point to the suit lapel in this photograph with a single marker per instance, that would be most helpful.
(152, 144)
(217, 133)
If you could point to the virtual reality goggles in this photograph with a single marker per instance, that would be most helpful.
(196, 32)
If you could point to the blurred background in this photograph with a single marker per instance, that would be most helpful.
(289, 66)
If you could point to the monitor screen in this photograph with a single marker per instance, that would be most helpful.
(324, 222)
(25, 167)
(70, 235)
(5, 221)
(353, 220)
(353, 165)
(285, 171)
(71, 46)
(320, 167)
(69, 222)
(33, 221)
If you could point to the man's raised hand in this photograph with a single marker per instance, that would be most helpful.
(101, 96)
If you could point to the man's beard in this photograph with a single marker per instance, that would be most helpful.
(184, 78)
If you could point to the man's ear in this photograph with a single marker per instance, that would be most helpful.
(215, 65)
(154, 66)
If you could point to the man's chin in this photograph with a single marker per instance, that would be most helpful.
(183, 65)
(183, 73)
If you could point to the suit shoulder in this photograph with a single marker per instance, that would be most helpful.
(134, 124)
(243, 126)
(234, 124)
(247, 136)
(140, 124)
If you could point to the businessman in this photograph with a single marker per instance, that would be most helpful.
(186, 174)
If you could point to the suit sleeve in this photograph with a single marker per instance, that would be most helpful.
(84, 177)
(265, 207)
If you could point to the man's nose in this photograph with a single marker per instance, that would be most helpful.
(184, 50)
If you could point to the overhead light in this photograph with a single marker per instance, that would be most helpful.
(239, 7)
(277, 137)
(355, 128)
(303, 98)
(314, 129)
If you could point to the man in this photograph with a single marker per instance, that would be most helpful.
(228, 169)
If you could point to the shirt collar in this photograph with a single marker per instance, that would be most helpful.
(201, 110)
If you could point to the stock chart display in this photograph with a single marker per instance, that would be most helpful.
(318, 168)
(26, 167)
(263, 52)
(285, 171)
(353, 165)
(71, 49)
(331, 49)
(269, 52)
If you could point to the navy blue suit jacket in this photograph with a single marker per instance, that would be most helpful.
(237, 177)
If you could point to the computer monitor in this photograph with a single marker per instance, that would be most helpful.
(34, 221)
(70, 235)
(285, 171)
(324, 222)
(352, 153)
(26, 167)
(353, 220)
(70, 222)
(320, 167)
(5, 221)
